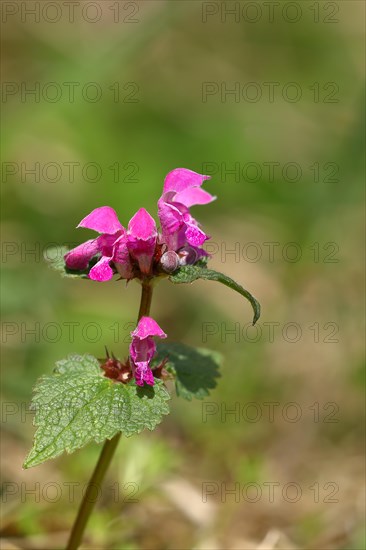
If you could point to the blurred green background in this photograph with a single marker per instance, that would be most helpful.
(147, 112)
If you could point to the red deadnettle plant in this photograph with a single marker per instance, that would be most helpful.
(88, 399)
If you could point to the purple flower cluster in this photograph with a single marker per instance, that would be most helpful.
(134, 250)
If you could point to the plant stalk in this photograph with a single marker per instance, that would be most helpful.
(109, 447)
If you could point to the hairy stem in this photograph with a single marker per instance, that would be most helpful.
(109, 447)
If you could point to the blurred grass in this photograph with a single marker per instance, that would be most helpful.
(169, 54)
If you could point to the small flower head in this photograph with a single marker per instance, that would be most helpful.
(182, 189)
(140, 251)
(104, 220)
(115, 245)
(143, 348)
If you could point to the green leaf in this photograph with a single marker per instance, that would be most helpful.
(195, 369)
(54, 256)
(190, 273)
(78, 404)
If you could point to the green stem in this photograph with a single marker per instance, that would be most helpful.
(109, 447)
(88, 501)
(146, 297)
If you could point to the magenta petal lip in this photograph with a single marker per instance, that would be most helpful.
(143, 374)
(147, 327)
(195, 236)
(102, 271)
(142, 225)
(102, 220)
(181, 178)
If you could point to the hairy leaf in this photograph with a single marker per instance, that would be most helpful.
(78, 404)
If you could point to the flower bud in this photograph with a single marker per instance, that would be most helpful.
(187, 255)
(169, 261)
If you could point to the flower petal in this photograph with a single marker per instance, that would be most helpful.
(102, 271)
(103, 220)
(142, 225)
(142, 350)
(170, 217)
(147, 327)
(121, 258)
(79, 257)
(143, 374)
(194, 235)
(107, 243)
(141, 239)
(181, 178)
(172, 224)
(192, 196)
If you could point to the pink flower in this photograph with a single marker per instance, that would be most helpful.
(143, 348)
(182, 189)
(115, 244)
(135, 251)
(104, 220)
(141, 239)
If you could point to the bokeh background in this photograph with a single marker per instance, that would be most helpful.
(146, 112)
